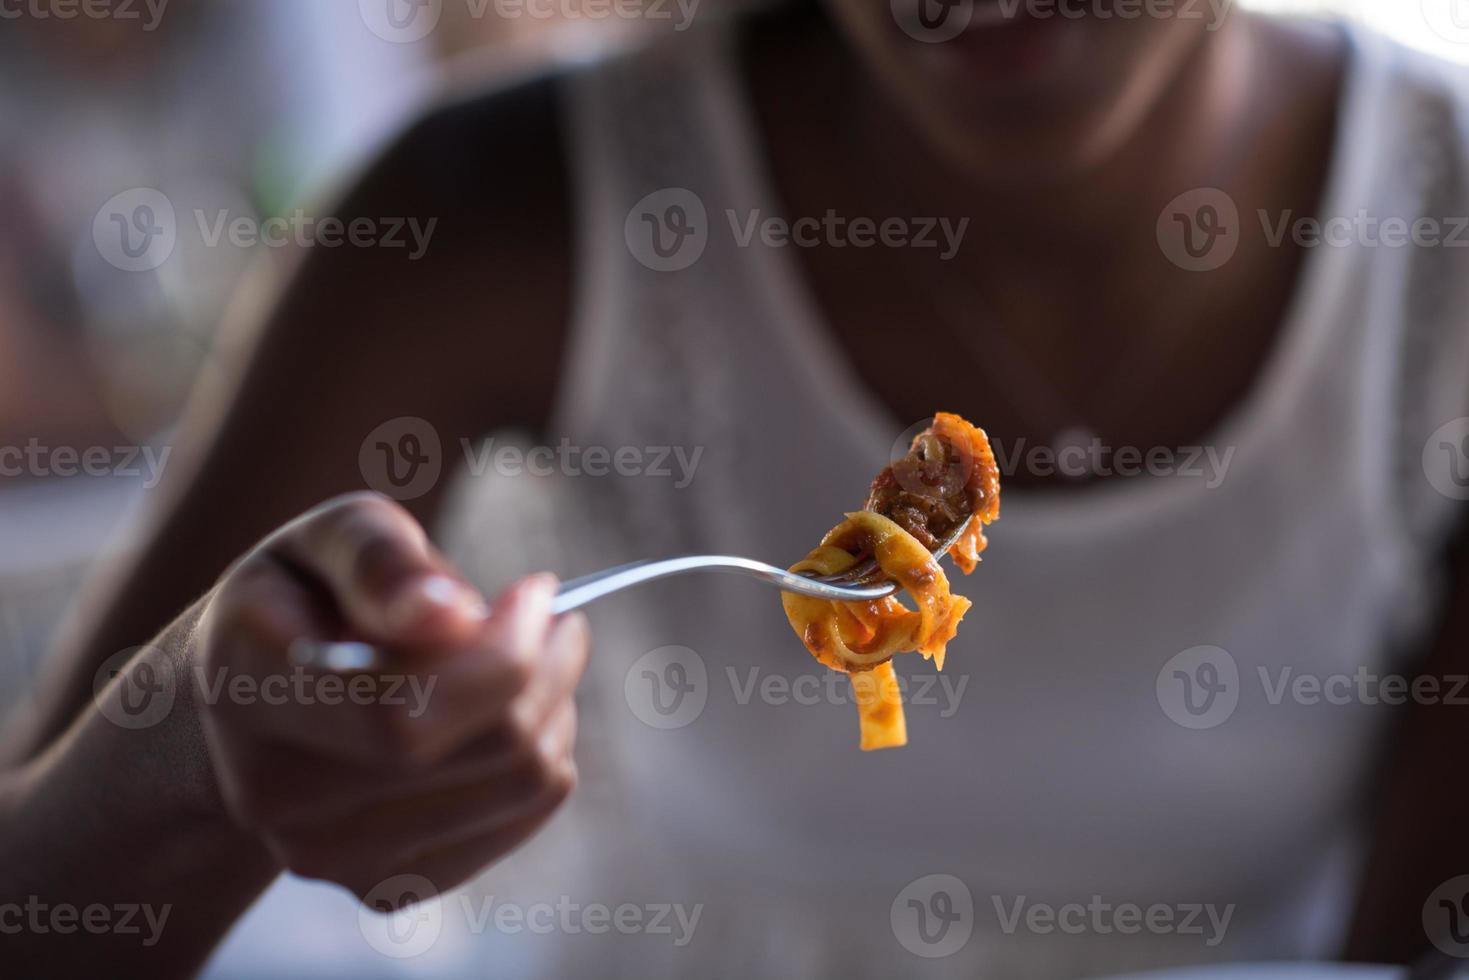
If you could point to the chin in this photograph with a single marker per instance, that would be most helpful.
(1020, 99)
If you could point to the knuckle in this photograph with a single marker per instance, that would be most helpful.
(376, 557)
(240, 620)
(518, 667)
(371, 515)
(343, 525)
(520, 723)
(361, 496)
(357, 503)
(249, 573)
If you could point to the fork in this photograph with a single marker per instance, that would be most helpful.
(863, 581)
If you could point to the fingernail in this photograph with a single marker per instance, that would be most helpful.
(430, 594)
(532, 604)
(535, 592)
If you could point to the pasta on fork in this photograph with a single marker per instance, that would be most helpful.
(948, 482)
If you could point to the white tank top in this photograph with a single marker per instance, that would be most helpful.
(1056, 765)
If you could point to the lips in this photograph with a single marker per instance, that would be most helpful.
(994, 40)
(933, 20)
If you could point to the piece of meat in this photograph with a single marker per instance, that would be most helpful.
(939, 485)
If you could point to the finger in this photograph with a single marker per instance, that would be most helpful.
(288, 785)
(554, 682)
(398, 828)
(392, 833)
(516, 654)
(391, 586)
(406, 719)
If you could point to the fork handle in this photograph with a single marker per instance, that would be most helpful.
(577, 592)
(351, 655)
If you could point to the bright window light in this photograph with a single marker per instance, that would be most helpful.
(1439, 26)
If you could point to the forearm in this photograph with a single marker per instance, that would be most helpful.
(116, 851)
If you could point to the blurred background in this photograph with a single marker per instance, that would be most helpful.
(246, 108)
(250, 108)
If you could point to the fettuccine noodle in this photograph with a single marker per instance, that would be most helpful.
(949, 478)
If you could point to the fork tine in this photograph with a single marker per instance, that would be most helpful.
(866, 572)
(862, 573)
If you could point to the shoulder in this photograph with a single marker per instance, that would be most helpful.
(1415, 132)
(479, 189)
(504, 119)
(1421, 95)
(498, 146)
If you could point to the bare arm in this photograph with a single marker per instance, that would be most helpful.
(211, 762)
(467, 337)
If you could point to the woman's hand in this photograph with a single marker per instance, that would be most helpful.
(437, 765)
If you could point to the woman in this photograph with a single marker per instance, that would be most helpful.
(570, 291)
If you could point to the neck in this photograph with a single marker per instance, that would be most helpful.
(1104, 210)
